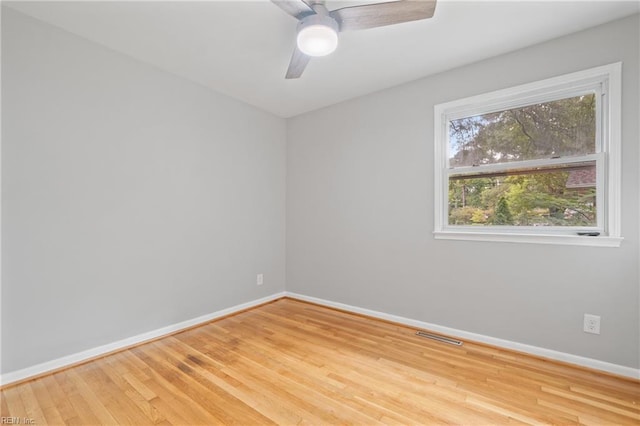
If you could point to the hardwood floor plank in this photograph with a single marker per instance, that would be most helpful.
(291, 362)
(123, 402)
(165, 400)
(4, 407)
(46, 403)
(611, 397)
(177, 388)
(32, 406)
(96, 403)
(80, 411)
(591, 404)
(247, 415)
(13, 402)
(58, 398)
(212, 371)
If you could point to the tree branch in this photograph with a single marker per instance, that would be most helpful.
(524, 131)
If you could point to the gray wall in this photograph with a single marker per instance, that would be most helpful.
(132, 199)
(360, 214)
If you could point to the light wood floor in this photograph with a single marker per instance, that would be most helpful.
(290, 362)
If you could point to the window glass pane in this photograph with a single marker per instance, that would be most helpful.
(561, 128)
(562, 195)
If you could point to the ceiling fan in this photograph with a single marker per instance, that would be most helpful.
(318, 27)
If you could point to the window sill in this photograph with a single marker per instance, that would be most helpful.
(571, 240)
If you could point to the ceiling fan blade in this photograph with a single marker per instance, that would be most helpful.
(298, 63)
(381, 14)
(296, 8)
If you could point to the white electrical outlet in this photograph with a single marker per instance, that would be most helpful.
(591, 324)
(259, 279)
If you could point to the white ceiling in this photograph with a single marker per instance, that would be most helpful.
(242, 48)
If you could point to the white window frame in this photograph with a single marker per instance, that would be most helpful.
(605, 82)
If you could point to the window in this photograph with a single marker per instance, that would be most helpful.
(535, 163)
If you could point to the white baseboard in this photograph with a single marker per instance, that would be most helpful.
(507, 344)
(36, 370)
(56, 364)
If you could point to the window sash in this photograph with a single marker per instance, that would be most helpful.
(598, 90)
(483, 171)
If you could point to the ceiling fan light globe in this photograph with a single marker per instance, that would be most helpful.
(317, 40)
(317, 35)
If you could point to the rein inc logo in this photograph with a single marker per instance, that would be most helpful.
(17, 421)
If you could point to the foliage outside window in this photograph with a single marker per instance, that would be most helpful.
(540, 160)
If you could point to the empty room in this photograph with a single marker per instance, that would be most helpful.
(252, 212)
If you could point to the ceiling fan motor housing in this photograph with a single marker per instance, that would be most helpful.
(317, 35)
